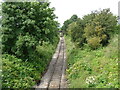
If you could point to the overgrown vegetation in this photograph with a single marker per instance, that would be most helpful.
(68, 22)
(93, 68)
(29, 38)
(95, 29)
(92, 51)
(28, 41)
(18, 73)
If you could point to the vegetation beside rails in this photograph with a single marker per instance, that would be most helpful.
(93, 68)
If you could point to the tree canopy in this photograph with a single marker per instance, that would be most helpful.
(95, 29)
(27, 25)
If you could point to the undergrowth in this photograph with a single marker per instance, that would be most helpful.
(18, 73)
(93, 68)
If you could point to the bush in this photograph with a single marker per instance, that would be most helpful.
(19, 73)
(94, 42)
(95, 33)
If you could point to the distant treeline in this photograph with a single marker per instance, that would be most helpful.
(94, 29)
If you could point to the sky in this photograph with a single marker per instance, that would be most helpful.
(64, 9)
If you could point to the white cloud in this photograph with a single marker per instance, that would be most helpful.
(66, 8)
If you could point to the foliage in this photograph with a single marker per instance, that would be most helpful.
(27, 25)
(75, 30)
(19, 73)
(94, 42)
(16, 74)
(117, 28)
(99, 24)
(68, 22)
(29, 38)
(93, 68)
(102, 26)
(96, 68)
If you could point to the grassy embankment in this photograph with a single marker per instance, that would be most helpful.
(93, 68)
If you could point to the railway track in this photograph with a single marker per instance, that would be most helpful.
(55, 75)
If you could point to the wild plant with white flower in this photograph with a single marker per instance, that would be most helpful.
(91, 80)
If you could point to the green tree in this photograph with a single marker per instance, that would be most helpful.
(27, 25)
(101, 26)
(68, 22)
(76, 31)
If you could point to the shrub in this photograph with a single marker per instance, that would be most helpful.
(19, 73)
(16, 74)
(94, 42)
(96, 31)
